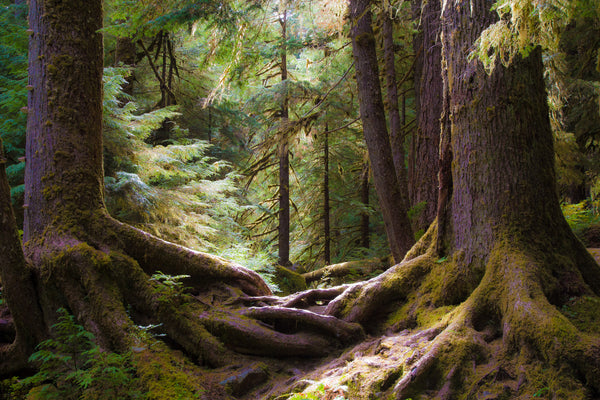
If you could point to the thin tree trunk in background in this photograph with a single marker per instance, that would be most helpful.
(372, 113)
(326, 206)
(19, 13)
(425, 145)
(284, 157)
(209, 124)
(396, 120)
(364, 198)
(125, 53)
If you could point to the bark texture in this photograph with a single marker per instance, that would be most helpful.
(393, 105)
(372, 114)
(67, 97)
(424, 154)
(284, 157)
(18, 288)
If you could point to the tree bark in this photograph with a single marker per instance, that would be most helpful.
(372, 113)
(326, 206)
(424, 154)
(63, 174)
(18, 288)
(393, 105)
(364, 198)
(284, 157)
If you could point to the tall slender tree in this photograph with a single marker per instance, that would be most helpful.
(391, 200)
(283, 147)
(423, 157)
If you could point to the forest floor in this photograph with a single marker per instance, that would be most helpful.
(366, 371)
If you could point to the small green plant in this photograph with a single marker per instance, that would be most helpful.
(542, 392)
(169, 285)
(72, 366)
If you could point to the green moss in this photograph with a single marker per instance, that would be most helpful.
(584, 313)
(289, 281)
(430, 317)
(167, 375)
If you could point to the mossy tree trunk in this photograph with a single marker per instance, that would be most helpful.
(500, 263)
(424, 151)
(391, 199)
(79, 258)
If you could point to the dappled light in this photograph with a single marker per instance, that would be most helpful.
(290, 200)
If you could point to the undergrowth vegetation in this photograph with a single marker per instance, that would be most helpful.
(71, 366)
(584, 220)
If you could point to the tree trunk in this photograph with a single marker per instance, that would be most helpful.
(98, 268)
(364, 198)
(18, 289)
(372, 113)
(63, 174)
(326, 206)
(424, 155)
(396, 120)
(284, 157)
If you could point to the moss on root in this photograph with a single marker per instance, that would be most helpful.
(167, 375)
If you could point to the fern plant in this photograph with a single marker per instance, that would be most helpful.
(72, 366)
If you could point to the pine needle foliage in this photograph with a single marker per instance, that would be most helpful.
(13, 78)
(13, 93)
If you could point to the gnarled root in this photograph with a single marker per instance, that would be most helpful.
(154, 254)
(506, 338)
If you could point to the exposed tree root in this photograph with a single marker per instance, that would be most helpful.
(506, 336)
(154, 254)
(102, 277)
(510, 337)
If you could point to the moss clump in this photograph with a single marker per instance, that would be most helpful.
(289, 281)
(167, 375)
(584, 313)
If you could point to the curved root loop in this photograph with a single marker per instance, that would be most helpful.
(345, 332)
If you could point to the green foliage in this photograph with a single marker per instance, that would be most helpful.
(13, 77)
(522, 26)
(580, 216)
(171, 286)
(147, 18)
(13, 91)
(72, 366)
